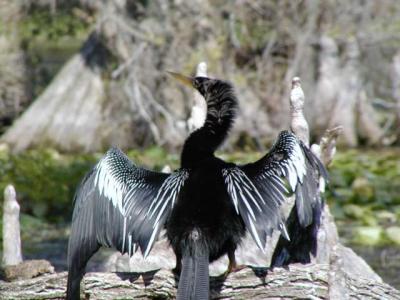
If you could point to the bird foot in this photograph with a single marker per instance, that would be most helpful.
(234, 268)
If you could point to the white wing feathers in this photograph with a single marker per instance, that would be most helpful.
(128, 204)
(109, 185)
(239, 185)
(165, 198)
(286, 159)
(257, 190)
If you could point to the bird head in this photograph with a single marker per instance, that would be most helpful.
(220, 99)
(219, 95)
(202, 84)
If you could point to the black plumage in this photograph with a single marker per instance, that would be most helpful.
(205, 206)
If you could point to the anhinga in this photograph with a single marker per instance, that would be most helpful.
(205, 206)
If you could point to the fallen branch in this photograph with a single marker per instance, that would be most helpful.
(296, 282)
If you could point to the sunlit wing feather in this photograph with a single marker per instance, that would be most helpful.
(128, 205)
(258, 189)
(258, 214)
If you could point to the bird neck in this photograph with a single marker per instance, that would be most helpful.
(221, 111)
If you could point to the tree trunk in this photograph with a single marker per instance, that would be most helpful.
(340, 96)
(14, 96)
(89, 106)
(12, 254)
(396, 92)
(327, 86)
(68, 114)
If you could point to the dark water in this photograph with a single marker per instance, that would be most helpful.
(384, 260)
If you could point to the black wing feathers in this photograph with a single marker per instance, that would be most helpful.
(308, 199)
(258, 189)
(126, 205)
(257, 214)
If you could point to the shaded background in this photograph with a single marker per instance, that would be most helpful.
(79, 76)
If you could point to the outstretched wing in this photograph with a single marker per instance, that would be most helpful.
(123, 206)
(259, 189)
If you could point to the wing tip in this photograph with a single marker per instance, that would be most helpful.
(283, 230)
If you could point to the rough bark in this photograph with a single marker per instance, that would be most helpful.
(27, 269)
(327, 147)
(296, 282)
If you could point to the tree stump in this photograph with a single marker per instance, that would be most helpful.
(12, 254)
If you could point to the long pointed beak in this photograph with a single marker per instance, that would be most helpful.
(186, 80)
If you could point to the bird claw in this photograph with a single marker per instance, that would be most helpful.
(234, 268)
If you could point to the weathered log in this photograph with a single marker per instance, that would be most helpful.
(27, 269)
(327, 147)
(296, 282)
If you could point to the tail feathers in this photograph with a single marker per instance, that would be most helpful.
(73, 285)
(81, 247)
(302, 244)
(77, 260)
(194, 279)
(186, 277)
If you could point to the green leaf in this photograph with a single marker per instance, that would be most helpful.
(393, 234)
(368, 235)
